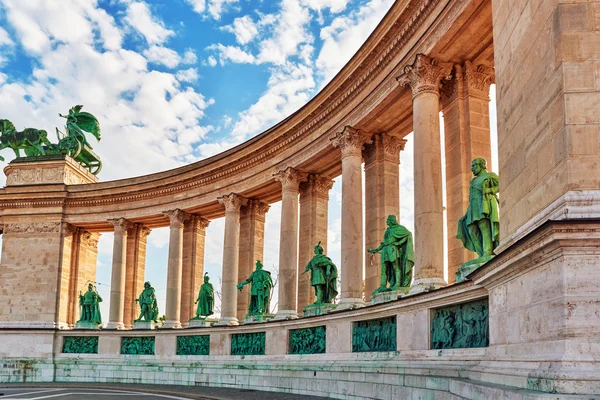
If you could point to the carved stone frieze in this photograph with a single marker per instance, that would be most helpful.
(290, 178)
(425, 75)
(232, 202)
(350, 141)
(33, 227)
(49, 172)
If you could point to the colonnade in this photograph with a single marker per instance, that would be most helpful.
(461, 92)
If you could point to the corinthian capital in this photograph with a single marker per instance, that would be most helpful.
(121, 225)
(478, 79)
(256, 208)
(290, 178)
(232, 202)
(425, 75)
(316, 185)
(350, 141)
(177, 217)
(384, 147)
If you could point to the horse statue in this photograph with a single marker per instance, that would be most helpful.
(29, 140)
(72, 142)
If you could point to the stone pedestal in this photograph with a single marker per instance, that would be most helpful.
(469, 267)
(46, 170)
(204, 322)
(87, 325)
(318, 309)
(257, 318)
(390, 295)
(144, 325)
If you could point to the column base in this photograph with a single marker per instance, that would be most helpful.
(87, 325)
(144, 325)
(228, 321)
(426, 285)
(115, 325)
(350, 303)
(172, 325)
(283, 315)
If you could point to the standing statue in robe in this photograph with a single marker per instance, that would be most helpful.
(206, 299)
(323, 276)
(260, 292)
(397, 257)
(148, 304)
(90, 306)
(479, 228)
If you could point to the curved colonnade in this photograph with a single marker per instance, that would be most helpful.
(426, 56)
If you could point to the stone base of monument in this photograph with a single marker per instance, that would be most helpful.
(87, 325)
(318, 309)
(257, 318)
(389, 295)
(202, 322)
(470, 266)
(144, 325)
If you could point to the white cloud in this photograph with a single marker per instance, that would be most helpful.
(243, 28)
(187, 75)
(140, 18)
(335, 6)
(162, 56)
(217, 7)
(5, 39)
(198, 5)
(189, 57)
(211, 61)
(233, 54)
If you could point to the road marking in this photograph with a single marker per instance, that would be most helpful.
(23, 394)
(93, 392)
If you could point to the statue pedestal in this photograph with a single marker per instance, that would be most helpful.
(470, 266)
(257, 318)
(144, 325)
(318, 309)
(87, 325)
(45, 170)
(390, 295)
(202, 322)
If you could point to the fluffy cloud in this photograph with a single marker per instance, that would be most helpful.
(141, 19)
(163, 56)
(187, 75)
(5, 39)
(233, 54)
(243, 28)
(214, 7)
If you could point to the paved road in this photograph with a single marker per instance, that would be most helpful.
(136, 392)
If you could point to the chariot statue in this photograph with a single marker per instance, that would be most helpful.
(72, 142)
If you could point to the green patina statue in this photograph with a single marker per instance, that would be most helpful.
(89, 304)
(206, 299)
(148, 304)
(397, 257)
(260, 292)
(72, 142)
(479, 228)
(323, 276)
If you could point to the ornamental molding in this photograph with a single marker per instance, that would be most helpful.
(425, 75)
(290, 178)
(410, 18)
(232, 202)
(34, 227)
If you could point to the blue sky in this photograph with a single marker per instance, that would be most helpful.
(173, 82)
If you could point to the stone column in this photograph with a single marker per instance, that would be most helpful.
(135, 266)
(350, 141)
(252, 246)
(64, 293)
(173, 307)
(194, 235)
(465, 105)
(117, 281)
(231, 255)
(83, 269)
(314, 207)
(382, 198)
(290, 179)
(424, 78)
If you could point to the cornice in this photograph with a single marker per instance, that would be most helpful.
(350, 85)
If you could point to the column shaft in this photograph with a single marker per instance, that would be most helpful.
(424, 77)
(117, 281)
(314, 207)
(175, 268)
(288, 244)
(194, 236)
(231, 254)
(135, 267)
(350, 141)
(83, 269)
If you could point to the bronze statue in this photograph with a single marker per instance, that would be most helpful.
(148, 304)
(206, 299)
(90, 306)
(479, 228)
(323, 276)
(397, 257)
(260, 292)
